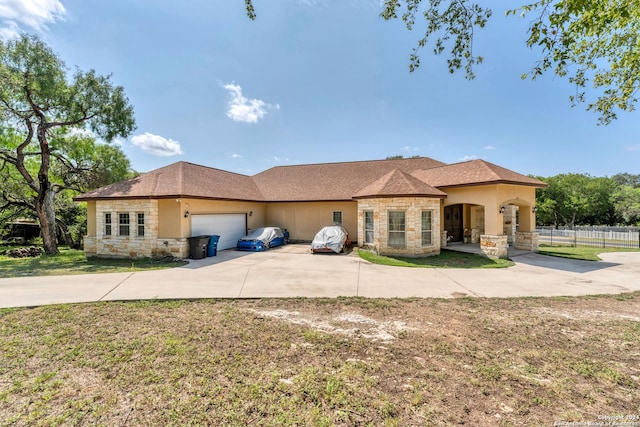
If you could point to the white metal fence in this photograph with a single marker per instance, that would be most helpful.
(591, 237)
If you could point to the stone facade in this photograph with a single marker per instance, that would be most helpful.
(510, 222)
(527, 241)
(494, 246)
(131, 246)
(412, 208)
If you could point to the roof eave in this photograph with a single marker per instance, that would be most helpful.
(389, 196)
(477, 184)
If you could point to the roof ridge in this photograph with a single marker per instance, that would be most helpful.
(354, 161)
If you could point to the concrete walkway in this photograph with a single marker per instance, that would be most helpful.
(291, 271)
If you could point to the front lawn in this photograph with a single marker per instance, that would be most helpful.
(446, 259)
(327, 362)
(581, 253)
(73, 261)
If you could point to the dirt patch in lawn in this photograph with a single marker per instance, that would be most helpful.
(345, 361)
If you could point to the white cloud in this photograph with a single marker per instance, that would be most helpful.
(34, 14)
(280, 159)
(634, 148)
(410, 149)
(156, 145)
(236, 156)
(243, 109)
(489, 147)
(467, 158)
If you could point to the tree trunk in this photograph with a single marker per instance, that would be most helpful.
(47, 216)
(68, 239)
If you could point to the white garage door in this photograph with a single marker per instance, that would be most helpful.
(230, 227)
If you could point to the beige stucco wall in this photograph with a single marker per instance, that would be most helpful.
(304, 219)
(173, 223)
(91, 218)
(413, 207)
(492, 197)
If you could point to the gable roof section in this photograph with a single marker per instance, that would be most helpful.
(398, 183)
(314, 182)
(330, 181)
(181, 179)
(474, 172)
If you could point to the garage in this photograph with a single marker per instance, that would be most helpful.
(230, 227)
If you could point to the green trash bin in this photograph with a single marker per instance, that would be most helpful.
(198, 247)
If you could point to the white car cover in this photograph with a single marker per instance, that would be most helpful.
(331, 237)
(264, 234)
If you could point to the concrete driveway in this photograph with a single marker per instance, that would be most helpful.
(291, 271)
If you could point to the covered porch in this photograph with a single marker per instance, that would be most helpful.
(497, 221)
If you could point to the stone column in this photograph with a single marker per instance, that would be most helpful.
(527, 241)
(443, 238)
(494, 246)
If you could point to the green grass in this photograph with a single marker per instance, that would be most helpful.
(532, 361)
(72, 261)
(446, 259)
(580, 253)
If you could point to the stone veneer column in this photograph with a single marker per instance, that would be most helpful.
(494, 246)
(527, 240)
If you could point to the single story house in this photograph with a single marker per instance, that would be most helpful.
(408, 207)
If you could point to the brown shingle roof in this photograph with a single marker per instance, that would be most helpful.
(398, 183)
(473, 172)
(330, 181)
(181, 179)
(315, 182)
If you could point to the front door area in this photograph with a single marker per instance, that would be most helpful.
(453, 223)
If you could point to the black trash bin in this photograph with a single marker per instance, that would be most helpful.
(212, 247)
(198, 246)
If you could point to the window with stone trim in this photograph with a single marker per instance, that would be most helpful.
(427, 228)
(368, 226)
(140, 224)
(123, 224)
(337, 218)
(397, 233)
(107, 223)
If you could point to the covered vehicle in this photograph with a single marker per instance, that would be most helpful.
(263, 238)
(332, 238)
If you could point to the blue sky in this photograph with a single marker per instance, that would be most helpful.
(320, 81)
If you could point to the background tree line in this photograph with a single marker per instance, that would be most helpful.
(581, 199)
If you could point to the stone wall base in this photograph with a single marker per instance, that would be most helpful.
(136, 248)
(527, 241)
(494, 246)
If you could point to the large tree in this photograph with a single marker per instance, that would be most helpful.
(594, 44)
(79, 163)
(40, 103)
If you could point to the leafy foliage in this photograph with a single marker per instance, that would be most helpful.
(579, 199)
(46, 116)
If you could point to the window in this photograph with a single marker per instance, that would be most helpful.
(140, 225)
(337, 218)
(396, 228)
(107, 224)
(426, 228)
(123, 224)
(368, 226)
